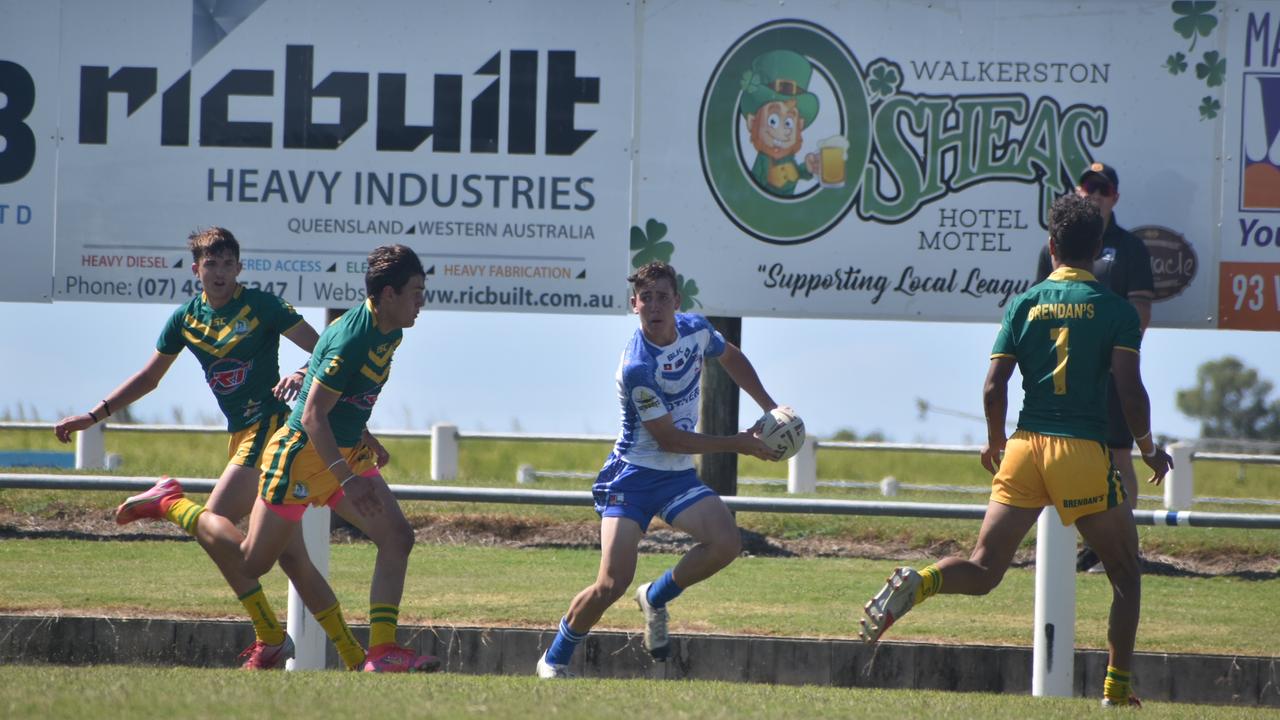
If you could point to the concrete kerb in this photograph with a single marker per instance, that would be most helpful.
(1213, 679)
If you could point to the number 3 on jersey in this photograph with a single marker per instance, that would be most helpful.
(1059, 337)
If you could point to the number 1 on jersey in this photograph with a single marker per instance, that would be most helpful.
(1059, 338)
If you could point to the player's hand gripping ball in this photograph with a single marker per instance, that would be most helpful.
(782, 430)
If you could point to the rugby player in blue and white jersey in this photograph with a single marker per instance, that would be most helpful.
(650, 471)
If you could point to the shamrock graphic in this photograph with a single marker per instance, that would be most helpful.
(688, 290)
(884, 79)
(1197, 19)
(647, 244)
(1209, 107)
(1177, 63)
(1213, 69)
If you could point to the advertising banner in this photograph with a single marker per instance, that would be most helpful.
(1249, 271)
(493, 138)
(28, 148)
(897, 160)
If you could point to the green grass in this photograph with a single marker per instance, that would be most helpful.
(791, 597)
(60, 692)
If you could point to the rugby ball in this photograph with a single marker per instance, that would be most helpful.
(782, 430)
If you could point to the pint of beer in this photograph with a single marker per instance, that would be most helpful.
(832, 154)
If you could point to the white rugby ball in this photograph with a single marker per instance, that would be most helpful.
(782, 430)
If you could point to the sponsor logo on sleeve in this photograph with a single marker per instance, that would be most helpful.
(645, 399)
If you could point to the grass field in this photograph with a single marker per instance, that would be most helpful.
(790, 597)
(137, 692)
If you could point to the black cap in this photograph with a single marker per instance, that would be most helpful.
(1106, 172)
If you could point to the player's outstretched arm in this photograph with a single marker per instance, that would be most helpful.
(674, 440)
(305, 337)
(137, 386)
(1125, 369)
(995, 405)
(744, 375)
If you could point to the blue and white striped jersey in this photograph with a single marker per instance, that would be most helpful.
(654, 381)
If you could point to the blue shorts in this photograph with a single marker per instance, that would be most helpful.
(630, 491)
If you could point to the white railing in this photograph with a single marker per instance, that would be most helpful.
(802, 470)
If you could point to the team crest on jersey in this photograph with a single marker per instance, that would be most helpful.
(227, 375)
(364, 401)
(300, 491)
(645, 399)
(242, 327)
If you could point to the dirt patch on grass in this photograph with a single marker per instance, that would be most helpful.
(519, 532)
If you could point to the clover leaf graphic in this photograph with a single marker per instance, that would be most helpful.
(688, 290)
(647, 245)
(1197, 19)
(1213, 69)
(1209, 107)
(1176, 63)
(884, 79)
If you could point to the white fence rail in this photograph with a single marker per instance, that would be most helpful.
(802, 470)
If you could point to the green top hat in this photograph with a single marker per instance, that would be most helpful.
(779, 76)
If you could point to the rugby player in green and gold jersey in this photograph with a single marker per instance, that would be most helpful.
(234, 332)
(1066, 335)
(322, 457)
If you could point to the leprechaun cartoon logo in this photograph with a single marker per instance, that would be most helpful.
(778, 106)
(783, 120)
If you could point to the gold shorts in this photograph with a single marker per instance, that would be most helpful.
(294, 474)
(246, 446)
(1072, 474)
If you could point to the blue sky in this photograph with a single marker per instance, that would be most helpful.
(554, 374)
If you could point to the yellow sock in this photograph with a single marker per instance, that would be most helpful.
(265, 626)
(1117, 687)
(343, 641)
(930, 583)
(382, 623)
(184, 514)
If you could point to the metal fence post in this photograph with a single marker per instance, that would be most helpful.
(444, 451)
(1053, 648)
(91, 448)
(802, 468)
(308, 637)
(1179, 486)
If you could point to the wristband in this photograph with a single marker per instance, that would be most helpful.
(1155, 450)
(106, 407)
(95, 417)
(1143, 436)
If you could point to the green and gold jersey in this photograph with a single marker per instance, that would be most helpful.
(238, 345)
(1062, 332)
(353, 359)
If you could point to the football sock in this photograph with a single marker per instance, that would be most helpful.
(664, 590)
(183, 513)
(1117, 688)
(265, 626)
(561, 650)
(930, 584)
(382, 623)
(343, 641)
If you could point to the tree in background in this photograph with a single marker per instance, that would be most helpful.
(1231, 401)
